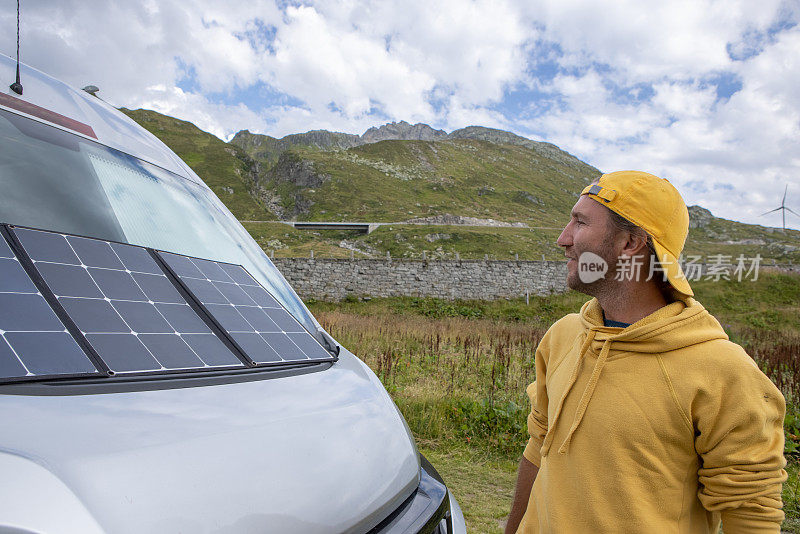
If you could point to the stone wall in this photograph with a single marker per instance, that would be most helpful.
(334, 279)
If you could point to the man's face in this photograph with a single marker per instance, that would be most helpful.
(588, 232)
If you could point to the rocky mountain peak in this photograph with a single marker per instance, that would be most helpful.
(492, 135)
(699, 217)
(402, 131)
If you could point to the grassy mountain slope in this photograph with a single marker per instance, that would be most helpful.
(394, 181)
(226, 169)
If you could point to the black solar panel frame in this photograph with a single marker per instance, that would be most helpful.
(228, 337)
(27, 264)
(7, 231)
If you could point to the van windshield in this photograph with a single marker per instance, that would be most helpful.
(53, 180)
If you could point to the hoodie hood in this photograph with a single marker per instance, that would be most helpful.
(675, 326)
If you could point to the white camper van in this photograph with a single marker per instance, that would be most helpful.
(157, 373)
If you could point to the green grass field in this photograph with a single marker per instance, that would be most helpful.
(458, 371)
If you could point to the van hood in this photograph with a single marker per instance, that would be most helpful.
(319, 452)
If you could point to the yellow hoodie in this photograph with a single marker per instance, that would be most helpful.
(664, 426)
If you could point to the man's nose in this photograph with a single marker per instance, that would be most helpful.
(565, 239)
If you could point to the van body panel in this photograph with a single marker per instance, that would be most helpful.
(319, 452)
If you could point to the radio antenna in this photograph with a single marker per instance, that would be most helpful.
(17, 86)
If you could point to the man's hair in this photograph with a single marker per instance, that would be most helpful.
(620, 224)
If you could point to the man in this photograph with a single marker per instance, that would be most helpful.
(644, 417)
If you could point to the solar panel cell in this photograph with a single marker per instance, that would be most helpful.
(14, 278)
(237, 274)
(212, 271)
(69, 280)
(172, 352)
(22, 312)
(205, 291)
(142, 317)
(285, 321)
(284, 346)
(261, 297)
(117, 285)
(94, 316)
(183, 266)
(36, 349)
(210, 349)
(308, 345)
(44, 246)
(136, 259)
(230, 319)
(10, 366)
(123, 352)
(234, 294)
(183, 319)
(157, 288)
(5, 250)
(95, 253)
(258, 319)
(256, 347)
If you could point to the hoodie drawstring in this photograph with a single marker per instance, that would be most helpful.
(548, 438)
(585, 398)
(587, 394)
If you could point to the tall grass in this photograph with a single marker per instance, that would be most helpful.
(778, 354)
(453, 378)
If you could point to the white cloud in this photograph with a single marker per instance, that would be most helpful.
(219, 119)
(327, 66)
(648, 40)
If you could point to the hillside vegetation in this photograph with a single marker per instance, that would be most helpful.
(393, 181)
(400, 172)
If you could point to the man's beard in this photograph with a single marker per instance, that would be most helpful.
(598, 287)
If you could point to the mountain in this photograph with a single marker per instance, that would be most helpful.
(519, 190)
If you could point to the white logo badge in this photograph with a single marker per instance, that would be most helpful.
(591, 267)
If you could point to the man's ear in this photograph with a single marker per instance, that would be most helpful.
(635, 245)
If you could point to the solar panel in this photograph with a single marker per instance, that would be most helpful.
(34, 342)
(256, 322)
(124, 305)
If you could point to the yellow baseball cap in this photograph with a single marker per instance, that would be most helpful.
(653, 204)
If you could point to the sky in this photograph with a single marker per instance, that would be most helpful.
(703, 93)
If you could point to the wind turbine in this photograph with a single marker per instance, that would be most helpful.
(783, 208)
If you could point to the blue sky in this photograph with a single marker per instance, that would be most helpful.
(703, 93)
